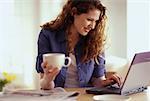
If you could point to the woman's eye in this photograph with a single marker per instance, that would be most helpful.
(89, 19)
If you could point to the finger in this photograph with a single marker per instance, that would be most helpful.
(117, 79)
(48, 68)
(108, 82)
(51, 69)
(54, 69)
(43, 65)
(54, 73)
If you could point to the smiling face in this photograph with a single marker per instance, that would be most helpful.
(84, 22)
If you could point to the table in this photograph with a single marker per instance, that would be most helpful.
(142, 96)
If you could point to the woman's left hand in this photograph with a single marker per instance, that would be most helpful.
(115, 78)
(110, 80)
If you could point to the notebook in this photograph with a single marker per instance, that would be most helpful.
(136, 80)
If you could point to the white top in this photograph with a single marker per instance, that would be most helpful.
(72, 74)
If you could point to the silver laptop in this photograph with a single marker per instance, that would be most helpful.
(136, 80)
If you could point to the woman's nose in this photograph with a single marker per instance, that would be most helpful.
(92, 25)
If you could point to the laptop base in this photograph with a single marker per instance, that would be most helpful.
(104, 90)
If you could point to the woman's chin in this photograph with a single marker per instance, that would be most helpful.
(84, 33)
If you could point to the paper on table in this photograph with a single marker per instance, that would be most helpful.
(34, 92)
(57, 94)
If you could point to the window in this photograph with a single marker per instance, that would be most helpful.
(19, 28)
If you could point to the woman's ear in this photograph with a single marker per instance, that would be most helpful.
(73, 11)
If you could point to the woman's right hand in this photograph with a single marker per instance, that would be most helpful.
(50, 72)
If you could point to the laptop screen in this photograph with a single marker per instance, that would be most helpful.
(137, 77)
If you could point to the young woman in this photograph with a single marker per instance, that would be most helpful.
(78, 32)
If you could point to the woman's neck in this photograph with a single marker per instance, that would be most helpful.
(74, 35)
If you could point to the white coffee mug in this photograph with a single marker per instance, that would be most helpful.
(56, 59)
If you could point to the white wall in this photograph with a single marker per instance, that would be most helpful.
(117, 27)
(49, 9)
(128, 27)
(138, 34)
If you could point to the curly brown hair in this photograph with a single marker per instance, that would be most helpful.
(95, 41)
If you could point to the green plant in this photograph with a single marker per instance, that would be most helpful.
(6, 78)
(2, 83)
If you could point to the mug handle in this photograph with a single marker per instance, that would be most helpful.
(69, 61)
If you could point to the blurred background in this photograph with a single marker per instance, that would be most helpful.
(128, 31)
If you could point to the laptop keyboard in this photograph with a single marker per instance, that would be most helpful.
(104, 90)
(113, 87)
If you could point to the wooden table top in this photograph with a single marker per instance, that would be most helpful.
(142, 96)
